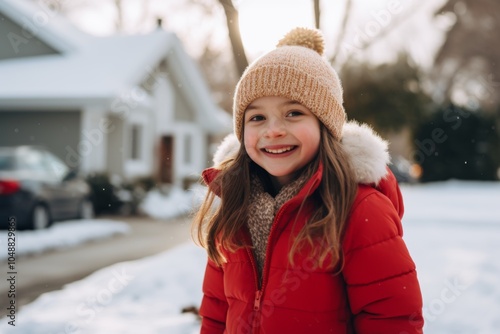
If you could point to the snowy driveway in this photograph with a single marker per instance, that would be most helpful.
(84, 247)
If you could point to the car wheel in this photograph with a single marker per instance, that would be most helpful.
(86, 209)
(40, 218)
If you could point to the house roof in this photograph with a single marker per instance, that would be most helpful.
(91, 69)
(47, 25)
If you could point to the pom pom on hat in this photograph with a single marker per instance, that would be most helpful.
(297, 71)
(309, 38)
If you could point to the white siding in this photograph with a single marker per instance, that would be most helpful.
(143, 166)
(189, 161)
(164, 106)
(95, 127)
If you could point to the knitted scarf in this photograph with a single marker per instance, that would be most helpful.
(261, 212)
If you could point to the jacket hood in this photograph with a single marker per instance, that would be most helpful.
(367, 151)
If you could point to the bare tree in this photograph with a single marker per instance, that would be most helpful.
(221, 79)
(232, 20)
(402, 18)
(343, 27)
(317, 14)
(119, 15)
(468, 58)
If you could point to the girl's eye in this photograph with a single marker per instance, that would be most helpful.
(295, 113)
(256, 118)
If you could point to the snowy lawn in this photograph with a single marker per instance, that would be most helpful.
(452, 230)
(61, 235)
(176, 203)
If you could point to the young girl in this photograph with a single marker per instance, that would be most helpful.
(306, 237)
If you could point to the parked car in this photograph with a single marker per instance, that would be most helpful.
(404, 170)
(37, 188)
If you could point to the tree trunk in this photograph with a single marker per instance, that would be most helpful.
(317, 14)
(343, 28)
(232, 21)
(119, 16)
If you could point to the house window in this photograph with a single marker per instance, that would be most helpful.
(135, 145)
(188, 142)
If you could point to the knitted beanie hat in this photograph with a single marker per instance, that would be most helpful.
(295, 70)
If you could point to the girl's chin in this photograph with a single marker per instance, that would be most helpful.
(284, 179)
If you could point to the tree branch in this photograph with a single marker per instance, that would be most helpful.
(317, 14)
(368, 42)
(343, 28)
(232, 21)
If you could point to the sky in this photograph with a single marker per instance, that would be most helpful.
(410, 24)
(368, 21)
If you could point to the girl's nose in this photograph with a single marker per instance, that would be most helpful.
(275, 128)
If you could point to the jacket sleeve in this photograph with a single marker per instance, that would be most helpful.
(382, 286)
(214, 305)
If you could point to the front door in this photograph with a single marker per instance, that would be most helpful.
(167, 159)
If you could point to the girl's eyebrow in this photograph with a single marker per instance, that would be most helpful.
(286, 103)
(251, 107)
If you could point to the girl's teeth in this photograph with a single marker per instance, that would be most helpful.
(281, 150)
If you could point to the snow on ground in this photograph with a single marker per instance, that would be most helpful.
(452, 230)
(177, 202)
(62, 235)
(132, 297)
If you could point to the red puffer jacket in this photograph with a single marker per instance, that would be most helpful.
(376, 292)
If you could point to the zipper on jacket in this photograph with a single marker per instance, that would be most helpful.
(258, 294)
(266, 259)
(260, 289)
(256, 304)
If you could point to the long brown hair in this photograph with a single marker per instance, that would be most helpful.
(218, 224)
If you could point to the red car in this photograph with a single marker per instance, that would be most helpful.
(37, 188)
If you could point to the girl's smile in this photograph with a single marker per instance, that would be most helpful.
(280, 135)
(278, 149)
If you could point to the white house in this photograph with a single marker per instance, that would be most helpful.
(127, 105)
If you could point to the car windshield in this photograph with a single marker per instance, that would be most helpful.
(6, 161)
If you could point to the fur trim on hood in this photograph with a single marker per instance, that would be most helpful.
(367, 151)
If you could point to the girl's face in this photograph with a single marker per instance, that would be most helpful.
(281, 136)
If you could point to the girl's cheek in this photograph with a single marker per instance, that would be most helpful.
(248, 136)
